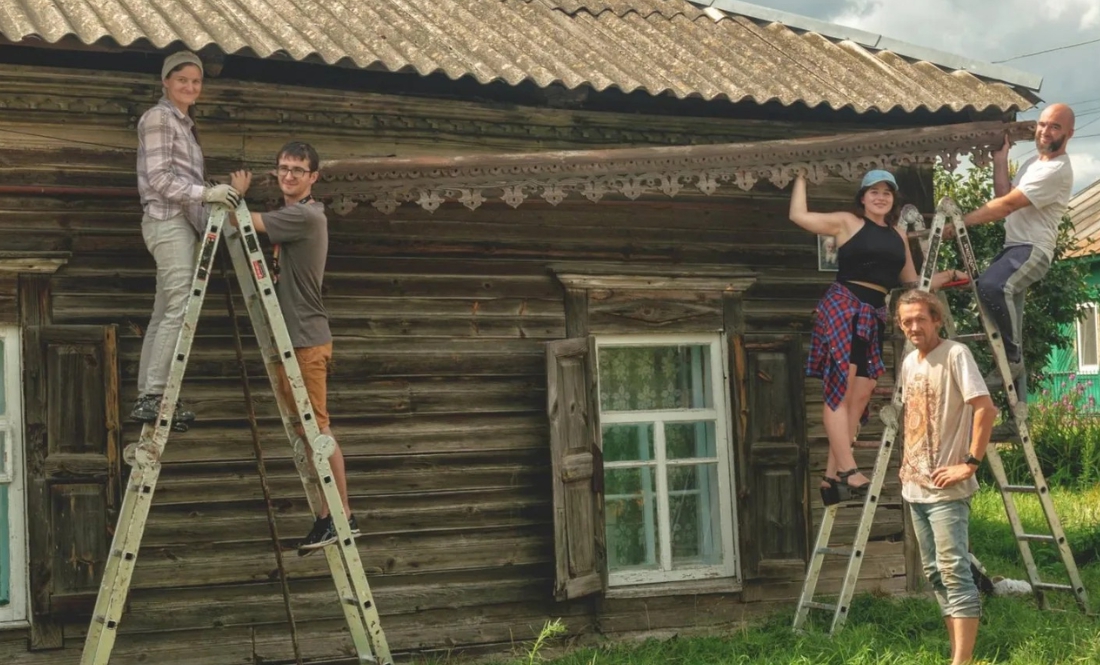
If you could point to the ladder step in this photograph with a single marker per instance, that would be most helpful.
(1037, 538)
(1021, 489)
(870, 445)
(835, 551)
(1049, 586)
(972, 337)
(813, 605)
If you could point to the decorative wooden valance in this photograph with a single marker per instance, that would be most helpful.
(429, 181)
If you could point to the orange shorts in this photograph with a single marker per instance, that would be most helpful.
(314, 363)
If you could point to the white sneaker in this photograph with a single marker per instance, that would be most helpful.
(994, 381)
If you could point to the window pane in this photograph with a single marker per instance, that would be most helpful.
(655, 377)
(689, 440)
(1086, 336)
(694, 515)
(630, 504)
(628, 443)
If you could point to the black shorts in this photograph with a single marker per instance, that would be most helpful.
(860, 355)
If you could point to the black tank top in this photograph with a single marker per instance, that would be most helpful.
(875, 254)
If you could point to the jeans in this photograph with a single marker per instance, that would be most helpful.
(1002, 287)
(943, 537)
(172, 242)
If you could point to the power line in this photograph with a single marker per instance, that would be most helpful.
(1049, 50)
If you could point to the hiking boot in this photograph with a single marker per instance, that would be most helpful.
(147, 407)
(994, 381)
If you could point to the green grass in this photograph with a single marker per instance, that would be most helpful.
(909, 631)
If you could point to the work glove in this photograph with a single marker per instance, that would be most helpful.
(222, 194)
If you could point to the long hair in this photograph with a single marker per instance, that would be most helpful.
(892, 217)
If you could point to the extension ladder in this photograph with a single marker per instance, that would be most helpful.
(946, 211)
(144, 456)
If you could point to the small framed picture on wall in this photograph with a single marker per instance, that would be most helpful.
(826, 254)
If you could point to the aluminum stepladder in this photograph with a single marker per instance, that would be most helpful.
(947, 209)
(343, 559)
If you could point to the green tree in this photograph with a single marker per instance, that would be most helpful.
(1052, 303)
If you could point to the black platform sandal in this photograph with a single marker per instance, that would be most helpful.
(851, 492)
(830, 496)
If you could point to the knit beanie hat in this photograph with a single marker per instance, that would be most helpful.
(179, 58)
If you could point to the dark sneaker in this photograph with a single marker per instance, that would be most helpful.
(145, 408)
(354, 526)
(323, 533)
(183, 415)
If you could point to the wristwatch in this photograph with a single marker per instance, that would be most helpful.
(970, 459)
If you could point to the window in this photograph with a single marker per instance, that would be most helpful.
(668, 500)
(13, 573)
(1088, 359)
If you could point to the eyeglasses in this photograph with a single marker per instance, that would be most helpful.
(297, 171)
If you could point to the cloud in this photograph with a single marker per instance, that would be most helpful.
(990, 30)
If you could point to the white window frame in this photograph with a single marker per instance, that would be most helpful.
(15, 612)
(729, 568)
(1089, 317)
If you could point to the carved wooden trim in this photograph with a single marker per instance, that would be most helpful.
(42, 263)
(637, 277)
(632, 172)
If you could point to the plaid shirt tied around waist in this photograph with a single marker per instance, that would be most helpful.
(831, 344)
(170, 165)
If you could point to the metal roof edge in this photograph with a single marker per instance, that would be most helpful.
(871, 40)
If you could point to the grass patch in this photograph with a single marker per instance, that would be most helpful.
(909, 631)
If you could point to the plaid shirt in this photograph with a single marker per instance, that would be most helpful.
(169, 165)
(831, 344)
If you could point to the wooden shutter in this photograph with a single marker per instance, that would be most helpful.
(72, 415)
(576, 454)
(767, 385)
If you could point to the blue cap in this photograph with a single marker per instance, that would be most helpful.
(877, 176)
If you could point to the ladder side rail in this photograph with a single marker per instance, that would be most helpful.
(890, 416)
(997, 467)
(125, 546)
(145, 458)
(813, 570)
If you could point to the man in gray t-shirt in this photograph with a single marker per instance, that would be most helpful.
(1032, 206)
(299, 233)
(948, 420)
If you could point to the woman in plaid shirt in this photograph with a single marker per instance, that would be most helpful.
(170, 182)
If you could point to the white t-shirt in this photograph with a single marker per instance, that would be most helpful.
(938, 421)
(1047, 185)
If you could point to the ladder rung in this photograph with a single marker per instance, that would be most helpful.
(835, 551)
(814, 605)
(1021, 489)
(1050, 586)
(1037, 538)
(867, 444)
(972, 337)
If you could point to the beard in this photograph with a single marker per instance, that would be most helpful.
(1053, 146)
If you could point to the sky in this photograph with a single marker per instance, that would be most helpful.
(992, 30)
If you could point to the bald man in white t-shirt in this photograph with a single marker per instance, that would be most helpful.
(1032, 206)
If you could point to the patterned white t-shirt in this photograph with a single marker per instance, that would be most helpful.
(938, 420)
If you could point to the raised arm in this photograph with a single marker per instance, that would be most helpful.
(821, 223)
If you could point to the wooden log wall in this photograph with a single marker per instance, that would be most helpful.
(438, 389)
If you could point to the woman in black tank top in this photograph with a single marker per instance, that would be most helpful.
(849, 327)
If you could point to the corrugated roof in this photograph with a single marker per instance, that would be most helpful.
(657, 46)
(1084, 210)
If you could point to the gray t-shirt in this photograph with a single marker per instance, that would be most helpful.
(1047, 185)
(938, 421)
(300, 235)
